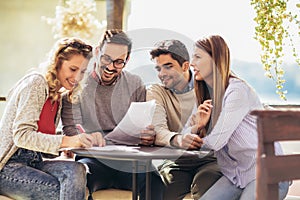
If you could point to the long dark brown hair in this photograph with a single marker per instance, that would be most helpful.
(217, 48)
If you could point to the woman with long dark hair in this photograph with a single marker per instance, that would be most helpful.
(224, 121)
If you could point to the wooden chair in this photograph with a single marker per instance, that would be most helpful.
(276, 125)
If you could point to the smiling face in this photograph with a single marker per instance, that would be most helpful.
(203, 66)
(72, 71)
(171, 74)
(112, 52)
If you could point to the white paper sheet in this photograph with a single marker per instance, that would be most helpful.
(137, 118)
(121, 148)
(108, 148)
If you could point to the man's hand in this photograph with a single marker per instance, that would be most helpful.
(148, 135)
(187, 141)
(98, 140)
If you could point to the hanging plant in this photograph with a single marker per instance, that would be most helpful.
(272, 31)
(75, 18)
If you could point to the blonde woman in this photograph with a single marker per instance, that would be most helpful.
(223, 118)
(28, 129)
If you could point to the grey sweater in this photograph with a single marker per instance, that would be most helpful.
(101, 107)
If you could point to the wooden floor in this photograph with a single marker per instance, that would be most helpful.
(113, 194)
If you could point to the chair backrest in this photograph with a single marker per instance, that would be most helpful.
(273, 126)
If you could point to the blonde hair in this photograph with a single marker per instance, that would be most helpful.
(217, 48)
(64, 49)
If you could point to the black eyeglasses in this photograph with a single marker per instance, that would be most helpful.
(106, 60)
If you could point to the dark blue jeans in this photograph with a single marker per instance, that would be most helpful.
(26, 176)
(118, 174)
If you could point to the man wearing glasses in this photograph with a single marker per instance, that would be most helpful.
(104, 101)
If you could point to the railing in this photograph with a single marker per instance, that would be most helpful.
(286, 106)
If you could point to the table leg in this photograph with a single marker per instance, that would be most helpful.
(148, 180)
(134, 180)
